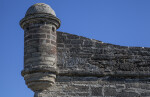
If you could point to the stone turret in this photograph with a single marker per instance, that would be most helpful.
(40, 55)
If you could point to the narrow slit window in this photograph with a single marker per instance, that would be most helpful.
(53, 29)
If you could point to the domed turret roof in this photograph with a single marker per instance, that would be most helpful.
(40, 8)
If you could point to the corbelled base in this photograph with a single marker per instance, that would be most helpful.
(39, 81)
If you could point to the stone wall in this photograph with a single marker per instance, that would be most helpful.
(97, 87)
(88, 67)
(76, 53)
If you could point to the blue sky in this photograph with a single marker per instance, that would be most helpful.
(122, 22)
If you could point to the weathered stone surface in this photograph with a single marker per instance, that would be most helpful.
(117, 68)
(96, 91)
(40, 8)
(128, 94)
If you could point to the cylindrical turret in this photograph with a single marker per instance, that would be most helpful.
(40, 55)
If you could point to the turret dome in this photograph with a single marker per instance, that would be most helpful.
(40, 8)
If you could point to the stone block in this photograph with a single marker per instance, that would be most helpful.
(76, 41)
(39, 35)
(128, 94)
(96, 91)
(146, 94)
(69, 36)
(76, 88)
(110, 91)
